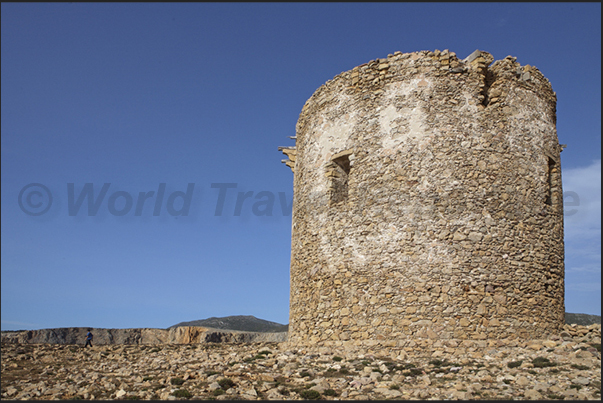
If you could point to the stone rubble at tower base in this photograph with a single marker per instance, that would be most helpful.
(564, 366)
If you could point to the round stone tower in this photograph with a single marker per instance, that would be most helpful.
(427, 204)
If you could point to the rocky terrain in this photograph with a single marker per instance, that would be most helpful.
(174, 335)
(564, 366)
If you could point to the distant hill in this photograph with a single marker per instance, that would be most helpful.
(246, 323)
(582, 319)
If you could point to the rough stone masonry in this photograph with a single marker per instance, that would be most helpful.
(427, 204)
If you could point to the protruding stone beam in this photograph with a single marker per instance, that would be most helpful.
(290, 152)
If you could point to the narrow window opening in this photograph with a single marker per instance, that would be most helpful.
(338, 171)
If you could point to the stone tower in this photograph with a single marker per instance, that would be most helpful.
(427, 204)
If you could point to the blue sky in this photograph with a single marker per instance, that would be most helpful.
(140, 95)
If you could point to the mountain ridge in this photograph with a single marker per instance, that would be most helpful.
(245, 323)
(583, 319)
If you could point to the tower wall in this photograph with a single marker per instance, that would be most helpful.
(427, 204)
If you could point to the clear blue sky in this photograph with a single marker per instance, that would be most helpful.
(136, 95)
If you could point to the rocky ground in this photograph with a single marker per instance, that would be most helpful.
(567, 366)
(175, 335)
